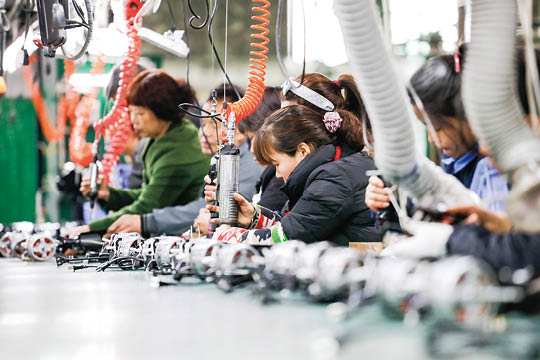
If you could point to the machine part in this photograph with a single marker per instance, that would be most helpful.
(396, 283)
(94, 170)
(5, 244)
(130, 245)
(501, 124)
(234, 265)
(23, 226)
(465, 290)
(128, 255)
(149, 249)
(41, 247)
(203, 257)
(18, 243)
(333, 280)
(52, 20)
(213, 174)
(388, 109)
(227, 185)
(166, 250)
(86, 22)
(281, 265)
(49, 228)
(308, 262)
(170, 41)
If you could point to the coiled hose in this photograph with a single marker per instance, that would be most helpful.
(80, 151)
(493, 108)
(255, 90)
(387, 106)
(52, 132)
(117, 122)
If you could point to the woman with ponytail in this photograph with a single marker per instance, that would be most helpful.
(322, 94)
(318, 155)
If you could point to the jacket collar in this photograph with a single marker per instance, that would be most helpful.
(294, 187)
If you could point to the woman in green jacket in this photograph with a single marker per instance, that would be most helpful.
(174, 165)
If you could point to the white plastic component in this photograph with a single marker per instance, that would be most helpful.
(170, 41)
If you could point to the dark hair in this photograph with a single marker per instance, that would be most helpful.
(349, 100)
(286, 128)
(438, 85)
(271, 102)
(228, 92)
(112, 86)
(160, 93)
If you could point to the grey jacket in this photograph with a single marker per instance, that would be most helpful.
(175, 220)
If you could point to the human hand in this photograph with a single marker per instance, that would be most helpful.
(103, 188)
(377, 197)
(209, 190)
(246, 210)
(125, 223)
(494, 222)
(201, 221)
(76, 231)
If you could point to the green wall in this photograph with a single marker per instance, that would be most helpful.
(18, 160)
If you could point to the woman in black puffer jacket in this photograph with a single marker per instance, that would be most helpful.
(320, 160)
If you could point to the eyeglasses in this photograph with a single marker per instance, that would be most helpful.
(307, 94)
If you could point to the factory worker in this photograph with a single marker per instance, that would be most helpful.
(174, 164)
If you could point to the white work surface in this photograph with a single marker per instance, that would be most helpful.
(53, 313)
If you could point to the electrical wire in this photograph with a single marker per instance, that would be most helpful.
(218, 59)
(171, 16)
(88, 24)
(188, 57)
(197, 17)
(278, 41)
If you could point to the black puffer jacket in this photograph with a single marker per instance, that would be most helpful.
(326, 198)
(269, 185)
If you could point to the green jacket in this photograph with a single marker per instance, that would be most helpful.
(174, 169)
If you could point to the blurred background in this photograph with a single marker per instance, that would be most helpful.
(31, 166)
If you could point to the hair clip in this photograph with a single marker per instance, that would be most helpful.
(307, 94)
(332, 121)
(338, 84)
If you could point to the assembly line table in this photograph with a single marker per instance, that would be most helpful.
(53, 313)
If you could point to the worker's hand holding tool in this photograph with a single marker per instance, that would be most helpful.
(246, 211)
(201, 221)
(103, 189)
(377, 197)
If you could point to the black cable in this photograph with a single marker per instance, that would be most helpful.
(187, 43)
(211, 20)
(197, 17)
(304, 60)
(278, 40)
(171, 16)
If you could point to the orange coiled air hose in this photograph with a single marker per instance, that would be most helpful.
(255, 90)
(117, 122)
(51, 132)
(80, 151)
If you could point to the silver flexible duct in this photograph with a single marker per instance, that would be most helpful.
(387, 106)
(493, 108)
